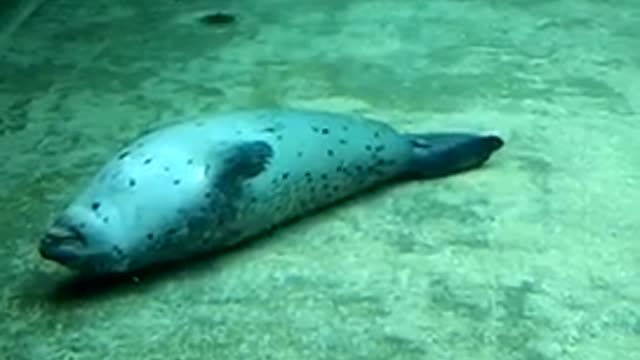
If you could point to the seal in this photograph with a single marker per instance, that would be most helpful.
(207, 184)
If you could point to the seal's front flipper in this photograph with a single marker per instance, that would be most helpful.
(234, 164)
(245, 160)
(441, 154)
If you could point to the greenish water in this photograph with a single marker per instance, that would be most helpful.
(533, 257)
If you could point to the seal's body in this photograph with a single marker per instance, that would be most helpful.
(204, 185)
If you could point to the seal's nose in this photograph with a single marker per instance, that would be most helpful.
(60, 253)
(43, 247)
(61, 245)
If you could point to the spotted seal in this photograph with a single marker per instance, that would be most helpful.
(207, 184)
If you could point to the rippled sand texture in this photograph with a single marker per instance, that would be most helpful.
(535, 256)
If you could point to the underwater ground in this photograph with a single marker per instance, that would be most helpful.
(533, 257)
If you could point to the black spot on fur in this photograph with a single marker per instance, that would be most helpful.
(269, 129)
(315, 129)
(336, 188)
(82, 225)
(171, 231)
(376, 135)
(342, 141)
(325, 131)
(330, 152)
(147, 161)
(105, 219)
(176, 182)
(190, 162)
(379, 148)
(207, 195)
(285, 175)
(358, 168)
(299, 153)
(123, 155)
(279, 137)
(166, 169)
(132, 182)
(368, 147)
(95, 206)
(324, 176)
(117, 251)
(253, 200)
(150, 236)
(345, 128)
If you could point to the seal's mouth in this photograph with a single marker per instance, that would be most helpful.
(62, 244)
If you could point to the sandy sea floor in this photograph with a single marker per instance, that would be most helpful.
(534, 257)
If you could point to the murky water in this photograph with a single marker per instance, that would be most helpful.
(534, 256)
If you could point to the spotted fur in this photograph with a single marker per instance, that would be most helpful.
(208, 184)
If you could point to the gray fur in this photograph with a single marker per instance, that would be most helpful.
(205, 185)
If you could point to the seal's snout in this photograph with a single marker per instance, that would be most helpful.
(59, 254)
(62, 245)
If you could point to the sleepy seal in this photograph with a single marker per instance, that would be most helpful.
(205, 185)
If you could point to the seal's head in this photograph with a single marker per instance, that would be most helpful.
(132, 214)
(81, 240)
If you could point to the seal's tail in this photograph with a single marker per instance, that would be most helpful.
(441, 154)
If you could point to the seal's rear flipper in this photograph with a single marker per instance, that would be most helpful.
(441, 154)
